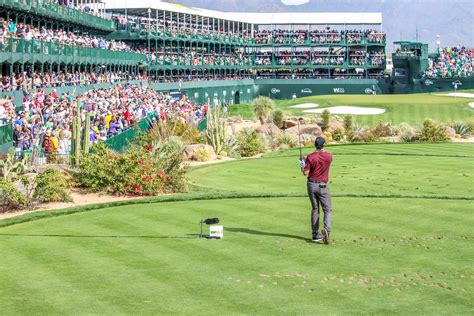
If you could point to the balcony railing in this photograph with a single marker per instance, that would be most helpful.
(21, 46)
(60, 12)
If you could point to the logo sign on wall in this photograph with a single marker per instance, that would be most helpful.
(306, 90)
(369, 91)
(216, 231)
(275, 90)
(339, 90)
(456, 84)
(428, 82)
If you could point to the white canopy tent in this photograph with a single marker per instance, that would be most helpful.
(312, 18)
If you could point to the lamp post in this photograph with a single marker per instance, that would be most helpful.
(438, 42)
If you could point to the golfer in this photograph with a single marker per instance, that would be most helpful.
(316, 168)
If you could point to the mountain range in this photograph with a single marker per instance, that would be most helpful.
(452, 20)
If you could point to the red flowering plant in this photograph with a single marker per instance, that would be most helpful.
(142, 170)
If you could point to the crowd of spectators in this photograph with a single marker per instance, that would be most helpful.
(451, 62)
(300, 37)
(321, 57)
(30, 34)
(188, 57)
(46, 117)
(184, 30)
(34, 80)
(85, 8)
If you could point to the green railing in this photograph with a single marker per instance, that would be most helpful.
(52, 10)
(45, 49)
(121, 142)
(6, 137)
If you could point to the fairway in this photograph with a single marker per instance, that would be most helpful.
(403, 243)
(408, 108)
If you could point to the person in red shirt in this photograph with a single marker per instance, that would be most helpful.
(316, 168)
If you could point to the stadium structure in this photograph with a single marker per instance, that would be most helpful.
(191, 50)
(210, 56)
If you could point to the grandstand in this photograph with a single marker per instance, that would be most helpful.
(186, 43)
(205, 56)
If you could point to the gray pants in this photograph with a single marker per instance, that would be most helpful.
(319, 195)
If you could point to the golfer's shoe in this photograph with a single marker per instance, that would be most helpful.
(317, 238)
(326, 239)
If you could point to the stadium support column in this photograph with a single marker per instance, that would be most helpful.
(148, 36)
(156, 34)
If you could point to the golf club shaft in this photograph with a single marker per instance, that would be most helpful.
(299, 142)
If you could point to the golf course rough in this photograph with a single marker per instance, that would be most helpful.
(403, 243)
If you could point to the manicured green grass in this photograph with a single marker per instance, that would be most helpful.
(389, 256)
(407, 169)
(409, 108)
(407, 251)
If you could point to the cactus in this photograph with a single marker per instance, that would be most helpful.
(12, 169)
(79, 146)
(216, 128)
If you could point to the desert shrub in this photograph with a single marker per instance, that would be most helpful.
(328, 137)
(262, 107)
(230, 148)
(433, 132)
(141, 171)
(307, 139)
(171, 145)
(202, 154)
(250, 143)
(278, 118)
(406, 133)
(363, 135)
(51, 186)
(326, 119)
(461, 129)
(382, 130)
(470, 125)
(348, 125)
(193, 136)
(10, 197)
(287, 139)
(337, 135)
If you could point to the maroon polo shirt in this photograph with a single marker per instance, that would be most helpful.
(317, 164)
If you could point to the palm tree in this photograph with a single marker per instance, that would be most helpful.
(262, 107)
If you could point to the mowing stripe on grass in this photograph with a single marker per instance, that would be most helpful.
(218, 196)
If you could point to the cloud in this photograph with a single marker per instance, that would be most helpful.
(294, 2)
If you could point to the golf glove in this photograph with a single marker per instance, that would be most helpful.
(302, 163)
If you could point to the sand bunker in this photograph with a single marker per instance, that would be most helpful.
(349, 110)
(458, 94)
(471, 104)
(305, 106)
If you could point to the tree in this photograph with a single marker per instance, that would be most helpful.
(326, 119)
(348, 126)
(262, 107)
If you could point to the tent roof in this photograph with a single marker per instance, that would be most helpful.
(141, 9)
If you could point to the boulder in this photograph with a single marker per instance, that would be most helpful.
(311, 129)
(289, 123)
(450, 131)
(268, 129)
(235, 119)
(335, 125)
(190, 150)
